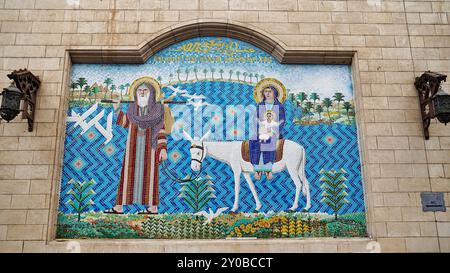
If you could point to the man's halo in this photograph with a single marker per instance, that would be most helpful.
(136, 83)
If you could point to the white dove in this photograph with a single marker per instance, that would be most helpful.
(211, 215)
(177, 90)
(194, 97)
(197, 104)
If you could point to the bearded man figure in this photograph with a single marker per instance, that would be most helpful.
(146, 147)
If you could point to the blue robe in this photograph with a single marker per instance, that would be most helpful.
(255, 145)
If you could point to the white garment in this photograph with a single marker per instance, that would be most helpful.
(267, 129)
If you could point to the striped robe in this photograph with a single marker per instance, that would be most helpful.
(139, 184)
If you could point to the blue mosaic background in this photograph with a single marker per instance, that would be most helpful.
(327, 146)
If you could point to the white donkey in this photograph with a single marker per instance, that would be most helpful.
(229, 152)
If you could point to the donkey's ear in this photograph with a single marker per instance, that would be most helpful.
(206, 136)
(187, 136)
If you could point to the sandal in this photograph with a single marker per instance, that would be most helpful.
(146, 211)
(112, 211)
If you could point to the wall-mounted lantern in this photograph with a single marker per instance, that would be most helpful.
(24, 88)
(434, 102)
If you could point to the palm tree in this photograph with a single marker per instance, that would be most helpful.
(221, 72)
(338, 97)
(256, 76)
(319, 111)
(87, 91)
(127, 86)
(187, 74)
(113, 88)
(307, 108)
(301, 97)
(314, 97)
(231, 73)
(245, 75)
(212, 72)
(73, 85)
(205, 71)
(238, 73)
(170, 77)
(95, 90)
(250, 76)
(261, 76)
(81, 82)
(195, 72)
(292, 97)
(107, 82)
(347, 106)
(327, 103)
(178, 74)
(122, 87)
(159, 79)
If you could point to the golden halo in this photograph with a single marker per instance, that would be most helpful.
(136, 83)
(264, 83)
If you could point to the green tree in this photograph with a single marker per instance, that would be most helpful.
(314, 96)
(338, 97)
(87, 92)
(221, 72)
(301, 97)
(113, 88)
(95, 90)
(319, 110)
(245, 75)
(81, 83)
(127, 86)
(73, 85)
(195, 72)
(187, 73)
(198, 192)
(231, 73)
(347, 106)
(212, 72)
(237, 74)
(205, 71)
(80, 193)
(327, 103)
(178, 74)
(107, 82)
(122, 87)
(307, 108)
(334, 189)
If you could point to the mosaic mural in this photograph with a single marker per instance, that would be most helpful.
(211, 138)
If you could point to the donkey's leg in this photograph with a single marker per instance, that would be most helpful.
(293, 172)
(253, 189)
(237, 188)
(305, 189)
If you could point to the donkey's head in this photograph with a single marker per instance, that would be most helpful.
(197, 150)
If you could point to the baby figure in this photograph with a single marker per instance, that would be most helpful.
(267, 127)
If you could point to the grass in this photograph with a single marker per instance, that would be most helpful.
(188, 226)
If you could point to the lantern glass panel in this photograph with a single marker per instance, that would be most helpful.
(11, 98)
(441, 103)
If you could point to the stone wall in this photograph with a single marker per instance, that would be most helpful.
(394, 40)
